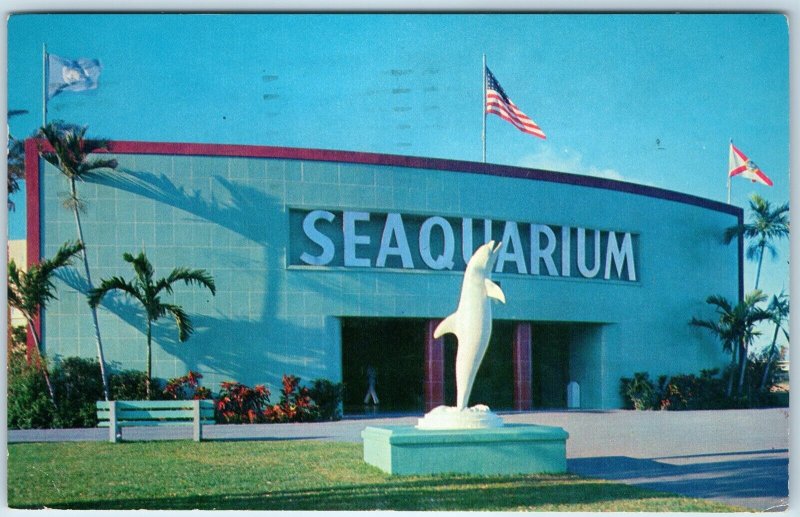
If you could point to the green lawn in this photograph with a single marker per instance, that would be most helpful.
(289, 475)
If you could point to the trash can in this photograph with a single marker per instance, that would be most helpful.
(573, 395)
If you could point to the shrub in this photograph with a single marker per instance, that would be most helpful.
(638, 392)
(186, 388)
(328, 397)
(238, 403)
(129, 385)
(295, 404)
(78, 386)
(29, 405)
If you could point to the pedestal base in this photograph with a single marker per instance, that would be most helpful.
(511, 449)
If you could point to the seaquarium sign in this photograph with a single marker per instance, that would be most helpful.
(372, 240)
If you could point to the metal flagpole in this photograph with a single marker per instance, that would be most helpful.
(483, 108)
(729, 174)
(44, 84)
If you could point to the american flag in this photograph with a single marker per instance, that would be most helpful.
(498, 103)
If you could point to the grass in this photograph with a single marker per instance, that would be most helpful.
(290, 475)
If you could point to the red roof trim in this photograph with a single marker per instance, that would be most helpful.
(293, 153)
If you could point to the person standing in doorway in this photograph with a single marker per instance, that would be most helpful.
(372, 377)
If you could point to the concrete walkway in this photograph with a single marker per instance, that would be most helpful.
(739, 457)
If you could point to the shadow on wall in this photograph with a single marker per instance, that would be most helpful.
(229, 347)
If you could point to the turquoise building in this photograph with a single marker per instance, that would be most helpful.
(329, 262)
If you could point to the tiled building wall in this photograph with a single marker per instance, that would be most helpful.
(230, 216)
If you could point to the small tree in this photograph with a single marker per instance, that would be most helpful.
(735, 327)
(767, 224)
(30, 291)
(147, 291)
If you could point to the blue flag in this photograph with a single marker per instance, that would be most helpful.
(66, 75)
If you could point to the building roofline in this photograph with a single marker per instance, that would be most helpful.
(326, 155)
(32, 147)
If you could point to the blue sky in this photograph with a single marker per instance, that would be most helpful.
(651, 99)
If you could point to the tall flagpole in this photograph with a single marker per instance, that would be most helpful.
(729, 174)
(483, 108)
(44, 84)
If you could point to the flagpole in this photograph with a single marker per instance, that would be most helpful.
(729, 175)
(44, 84)
(483, 108)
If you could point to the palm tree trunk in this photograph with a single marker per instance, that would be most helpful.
(760, 260)
(742, 366)
(99, 342)
(42, 364)
(732, 373)
(149, 358)
(770, 358)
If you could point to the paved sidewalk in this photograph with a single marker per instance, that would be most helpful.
(738, 457)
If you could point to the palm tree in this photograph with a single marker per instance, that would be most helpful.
(70, 154)
(766, 225)
(735, 327)
(144, 289)
(30, 291)
(779, 310)
(16, 161)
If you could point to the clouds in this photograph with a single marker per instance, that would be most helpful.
(572, 162)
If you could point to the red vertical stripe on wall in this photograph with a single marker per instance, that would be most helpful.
(434, 367)
(522, 366)
(33, 220)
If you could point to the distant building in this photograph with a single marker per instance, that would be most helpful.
(327, 262)
(18, 252)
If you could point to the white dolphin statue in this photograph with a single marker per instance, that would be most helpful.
(472, 321)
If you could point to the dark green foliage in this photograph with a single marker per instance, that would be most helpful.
(78, 387)
(638, 392)
(688, 391)
(128, 385)
(29, 406)
(328, 396)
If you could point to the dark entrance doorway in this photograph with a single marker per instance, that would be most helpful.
(550, 365)
(395, 348)
(494, 384)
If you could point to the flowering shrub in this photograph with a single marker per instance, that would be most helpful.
(684, 391)
(295, 405)
(186, 388)
(238, 404)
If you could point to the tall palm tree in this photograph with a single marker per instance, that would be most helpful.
(30, 291)
(70, 154)
(735, 327)
(147, 291)
(779, 310)
(767, 224)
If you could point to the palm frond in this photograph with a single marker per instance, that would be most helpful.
(182, 321)
(193, 276)
(63, 257)
(110, 284)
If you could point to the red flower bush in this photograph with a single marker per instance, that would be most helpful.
(238, 403)
(186, 388)
(295, 405)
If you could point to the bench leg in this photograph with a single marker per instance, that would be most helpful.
(113, 428)
(197, 431)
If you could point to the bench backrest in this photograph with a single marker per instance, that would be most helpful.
(155, 412)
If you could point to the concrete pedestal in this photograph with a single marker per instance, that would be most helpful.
(511, 449)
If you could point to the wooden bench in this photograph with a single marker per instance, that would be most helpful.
(117, 414)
